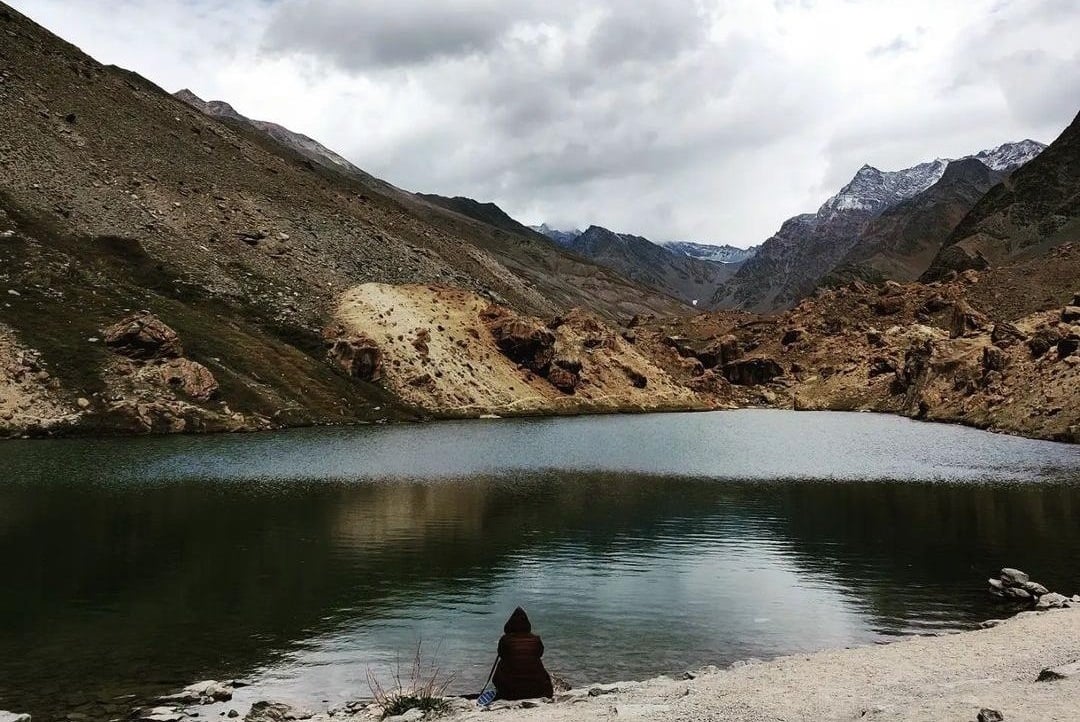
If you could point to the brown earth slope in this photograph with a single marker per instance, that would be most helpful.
(116, 197)
(1036, 208)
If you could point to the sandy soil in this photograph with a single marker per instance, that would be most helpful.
(926, 678)
(439, 355)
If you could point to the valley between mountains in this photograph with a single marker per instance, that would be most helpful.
(169, 265)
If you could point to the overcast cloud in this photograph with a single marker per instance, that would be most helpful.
(682, 119)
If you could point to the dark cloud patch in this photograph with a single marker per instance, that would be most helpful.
(705, 119)
(363, 35)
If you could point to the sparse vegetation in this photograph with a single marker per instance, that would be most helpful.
(422, 687)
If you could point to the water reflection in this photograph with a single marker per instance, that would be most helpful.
(143, 565)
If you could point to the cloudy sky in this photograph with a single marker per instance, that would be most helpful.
(677, 119)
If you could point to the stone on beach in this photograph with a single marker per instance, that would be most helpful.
(1052, 600)
(1014, 577)
(1065, 671)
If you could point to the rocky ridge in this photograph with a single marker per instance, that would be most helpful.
(688, 278)
(1036, 208)
(299, 142)
(808, 247)
(710, 252)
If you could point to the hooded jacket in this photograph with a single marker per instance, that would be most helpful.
(521, 673)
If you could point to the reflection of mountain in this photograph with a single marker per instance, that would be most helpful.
(194, 580)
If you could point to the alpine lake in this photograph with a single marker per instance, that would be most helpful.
(302, 561)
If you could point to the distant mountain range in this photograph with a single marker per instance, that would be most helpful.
(844, 237)
(691, 272)
(709, 252)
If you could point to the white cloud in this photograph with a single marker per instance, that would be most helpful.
(701, 119)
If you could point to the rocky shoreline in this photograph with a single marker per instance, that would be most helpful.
(436, 352)
(1023, 668)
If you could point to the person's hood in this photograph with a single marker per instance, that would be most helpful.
(518, 623)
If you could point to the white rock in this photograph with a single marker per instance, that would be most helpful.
(164, 714)
(413, 715)
(13, 717)
(1013, 577)
(1053, 600)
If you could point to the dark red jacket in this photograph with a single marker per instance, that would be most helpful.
(521, 673)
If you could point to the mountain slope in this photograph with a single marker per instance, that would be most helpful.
(302, 144)
(116, 196)
(1036, 208)
(901, 243)
(791, 264)
(488, 213)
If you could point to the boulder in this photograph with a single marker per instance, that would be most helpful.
(1014, 577)
(993, 359)
(13, 717)
(880, 365)
(1068, 345)
(965, 319)
(752, 371)
(358, 356)
(1070, 314)
(1006, 334)
(269, 712)
(792, 335)
(1043, 340)
(1016, 593)
(730, 350)
(143, 336)
(637, 379)
(1053, 600)
(190, 377)
(413, 715)
(934, 304)
(1035, 588)
(989, 715)
(563, 379)
(523, 341)
(1065, 671)
(889, 305)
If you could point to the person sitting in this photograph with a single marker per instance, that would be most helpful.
(520, 673)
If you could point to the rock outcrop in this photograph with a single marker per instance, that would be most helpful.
(143, 336)
(452, 353)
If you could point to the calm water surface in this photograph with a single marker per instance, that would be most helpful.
(640, 545)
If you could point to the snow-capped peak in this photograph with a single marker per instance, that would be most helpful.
(873, 190)
(710, 252)
(560, 237)
(1010, 156)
